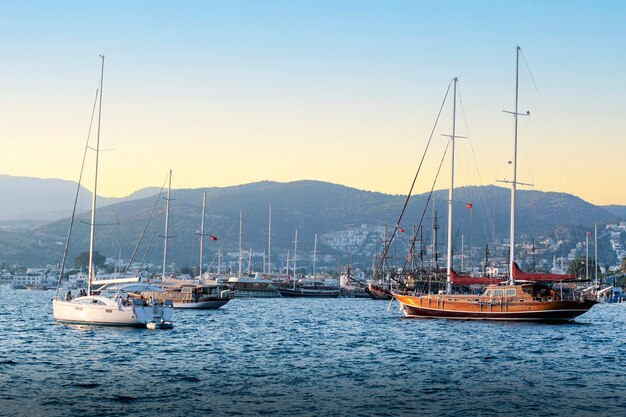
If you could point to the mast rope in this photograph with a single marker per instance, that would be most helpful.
(143, 232)
(430, 194)
(408, 197)
(80, 177)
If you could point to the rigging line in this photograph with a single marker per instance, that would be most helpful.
(463, 112)
(419, 168)
(490, 221)
(430, 194)
(483, 206)
(223, 243)
(147, 249)
(143, 232)
(530, 72)
(80, 177)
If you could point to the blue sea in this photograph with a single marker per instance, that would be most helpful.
(313, 357)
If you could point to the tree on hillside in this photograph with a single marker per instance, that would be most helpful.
(82, 260)
(577, 267)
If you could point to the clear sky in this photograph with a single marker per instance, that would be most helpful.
(230, 92)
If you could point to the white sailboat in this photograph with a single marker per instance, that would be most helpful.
(114, 302)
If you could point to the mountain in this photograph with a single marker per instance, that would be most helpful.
(619, 211)
(27, 201)
(344, 218)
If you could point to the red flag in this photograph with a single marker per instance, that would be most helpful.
(213, 237)
(468, 205)
(588, 233)
(401, 229)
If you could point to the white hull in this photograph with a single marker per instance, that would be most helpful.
(109, 312)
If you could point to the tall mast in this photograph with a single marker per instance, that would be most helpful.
(249, 261)
(240, 235)
(202, 232)
(595, 249)
(514, 184)
(450, 194)
(269, 244)
(314, 254)
(167, 221)
(295, 256)
(95, 187)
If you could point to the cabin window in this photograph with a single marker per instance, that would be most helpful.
(510, 291)
(488, 293)
(498, 293)
(521, 300)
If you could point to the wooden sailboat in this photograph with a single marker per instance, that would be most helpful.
(513, 301)
(193, 294)
(114, 302)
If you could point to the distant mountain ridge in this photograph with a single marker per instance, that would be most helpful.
(617, 210)
(40, 200)
(309, 206)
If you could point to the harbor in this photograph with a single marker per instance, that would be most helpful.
(288, 356)
(346, 208)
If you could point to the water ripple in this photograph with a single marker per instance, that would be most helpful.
(285, 357)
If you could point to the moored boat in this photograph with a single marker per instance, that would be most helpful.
(524, 302)
(309, 288)
(193, 296)
(114, 302)
(378, 292)
(513, 301)
(243, 287)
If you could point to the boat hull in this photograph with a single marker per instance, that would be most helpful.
(108, 314)
(425, 307)
(378, 293)
(300, 292)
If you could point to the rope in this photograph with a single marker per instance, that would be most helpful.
(143, 232)
(80, 177)
(406, 201)
(430, 194)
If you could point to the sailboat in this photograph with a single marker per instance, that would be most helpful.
(516, 300)
(113, 302)
(312, 287)
(247, 287)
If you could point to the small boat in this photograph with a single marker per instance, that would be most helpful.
(193, 296)
(309, 288)
(37, 287)
(242, 287)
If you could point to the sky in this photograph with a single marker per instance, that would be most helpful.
(232, 92)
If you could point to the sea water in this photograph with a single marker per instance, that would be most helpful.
(309, 357)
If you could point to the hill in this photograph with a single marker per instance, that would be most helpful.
(617, 210)
(332, 211)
